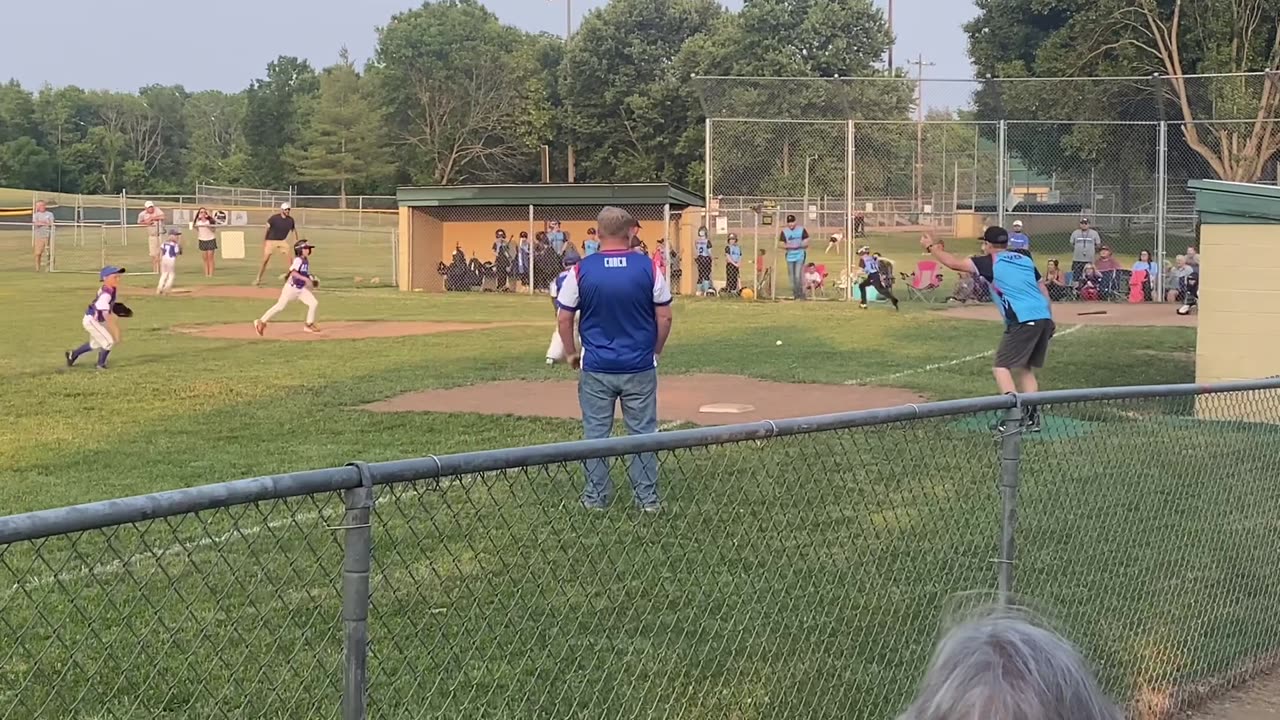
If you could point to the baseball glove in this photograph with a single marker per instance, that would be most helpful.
(122, 310)
(315, 282)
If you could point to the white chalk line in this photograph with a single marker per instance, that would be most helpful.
(938, 366)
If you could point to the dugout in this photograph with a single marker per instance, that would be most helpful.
(1239, 297)
(438, 222)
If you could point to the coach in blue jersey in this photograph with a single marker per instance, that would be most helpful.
(795, 240)
(624, 317)
(1023, 299)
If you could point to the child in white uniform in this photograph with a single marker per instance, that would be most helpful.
(170, 249)
(297, 286)
(555, 351)
(99, 321)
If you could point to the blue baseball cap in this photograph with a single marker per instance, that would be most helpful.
(109, 271)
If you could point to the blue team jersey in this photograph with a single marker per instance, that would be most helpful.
(702, 247)
(1015, 286)
(591, 247)
(615, 293)
(556, 286)
(793, 239)
(170, 249)
(735, 253)
(101, 305)
(870, 264)
(1019, 241)
(557, 240)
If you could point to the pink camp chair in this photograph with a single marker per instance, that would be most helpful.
(924, 281)
(1136, 282)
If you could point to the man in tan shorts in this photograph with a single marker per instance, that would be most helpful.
(152, 218)
(276, 239)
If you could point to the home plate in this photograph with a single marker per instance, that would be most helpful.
(726, 408)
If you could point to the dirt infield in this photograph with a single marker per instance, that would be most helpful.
(1258, 701)
(350, 330)
(680, 398)
(1138, 314)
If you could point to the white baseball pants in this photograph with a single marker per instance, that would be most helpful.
(99, 336)
(555, 351)
(288, 295)
(168, 272)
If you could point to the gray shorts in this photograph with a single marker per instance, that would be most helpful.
(1025, 345)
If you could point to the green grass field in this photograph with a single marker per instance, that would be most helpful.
(800, 577)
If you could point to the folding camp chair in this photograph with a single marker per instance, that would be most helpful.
(922, 283)
(823, 288)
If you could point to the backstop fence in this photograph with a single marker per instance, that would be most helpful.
(878, 161)
(799, 568)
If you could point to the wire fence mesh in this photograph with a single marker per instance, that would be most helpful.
(797, 568)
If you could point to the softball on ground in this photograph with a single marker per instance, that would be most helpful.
(778, 343)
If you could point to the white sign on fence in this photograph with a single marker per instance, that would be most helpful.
(722, 225)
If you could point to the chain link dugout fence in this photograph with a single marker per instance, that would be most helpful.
(524, 248)
(898, 156)
(799, 568)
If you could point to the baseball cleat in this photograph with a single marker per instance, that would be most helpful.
(311, 329)
(70, 360)
(259, 327)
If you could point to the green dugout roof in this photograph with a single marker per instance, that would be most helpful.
(1231, 203)
(549, 194)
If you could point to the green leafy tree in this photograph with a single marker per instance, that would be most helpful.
(273, 120)
(342, 140)
(465, 95)
(216, 149)
(24, 164)
(624, 106)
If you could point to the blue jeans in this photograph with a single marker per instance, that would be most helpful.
(598, 393)
(795, 269)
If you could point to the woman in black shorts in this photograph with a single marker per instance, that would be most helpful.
(206, 238)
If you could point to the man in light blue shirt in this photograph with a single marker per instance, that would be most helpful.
(795, 240)
(556, 237)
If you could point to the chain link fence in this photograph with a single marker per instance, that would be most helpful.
(898, 156)
(798, 568)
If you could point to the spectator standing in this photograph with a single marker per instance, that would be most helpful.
(42, 225)
(275, 239)
(1084, 243)
(206, 239)
(1018, 240)
(702, 260)
(732, 264)
(1023, 300)
(556, 237)
(623, 310)
(591, 245)
(501, 260)
(524, 258)
(795, 240)
(152, 218)
(1193, 259)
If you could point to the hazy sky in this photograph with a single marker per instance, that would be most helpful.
(125, 44)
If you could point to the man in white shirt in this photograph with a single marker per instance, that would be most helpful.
(42, 223)
(152, 218)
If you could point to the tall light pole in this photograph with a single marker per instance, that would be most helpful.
(891, 39)
(568, 35)
(918, 175)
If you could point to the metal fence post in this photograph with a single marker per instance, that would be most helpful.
(1162, 205)
(357, 557)
(1010, 459)
(848, 211)
(1002, 189)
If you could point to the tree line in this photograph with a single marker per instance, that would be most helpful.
(452, 95)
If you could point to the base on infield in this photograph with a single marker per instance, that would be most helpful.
(680, 398)
(338, 330)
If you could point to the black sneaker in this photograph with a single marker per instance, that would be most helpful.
(70, 361)
(1032, 420)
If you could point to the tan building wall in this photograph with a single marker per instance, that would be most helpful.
(1239, 313)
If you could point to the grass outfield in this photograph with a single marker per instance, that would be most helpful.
(802, 577)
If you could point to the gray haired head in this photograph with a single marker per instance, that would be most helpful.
(615, 224)
(1002, 666)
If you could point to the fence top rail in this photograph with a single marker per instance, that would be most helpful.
(123, 511)
(976, 80)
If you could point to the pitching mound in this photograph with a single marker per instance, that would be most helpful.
(1135, 315)
(680, 398)
(350, 330)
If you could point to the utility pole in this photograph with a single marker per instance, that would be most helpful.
(918, 175)
(891, 38)
(568, 35)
